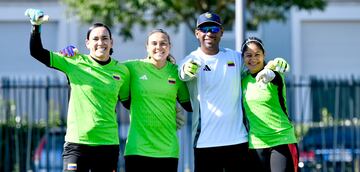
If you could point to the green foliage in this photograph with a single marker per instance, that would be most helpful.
(11, 117)
(259, 11)
(173, 12)
(16, 147)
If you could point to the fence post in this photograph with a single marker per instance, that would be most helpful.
(47, 83)
(29, 87)
(6, 87)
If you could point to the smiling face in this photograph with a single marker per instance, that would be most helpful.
(209, 40)
(158, 47)
(99, 43)
(254, 58)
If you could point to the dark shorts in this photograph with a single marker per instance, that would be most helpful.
(232, 158)
(79, 157)
(282, 158)
(136, 163)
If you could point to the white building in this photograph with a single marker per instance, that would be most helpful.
(315, 43)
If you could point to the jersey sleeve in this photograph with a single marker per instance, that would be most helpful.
(183, 92)
(124, 91)
(59, 61)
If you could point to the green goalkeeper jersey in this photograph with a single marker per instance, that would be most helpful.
(95, 90)
(154, 93)
(265, 109)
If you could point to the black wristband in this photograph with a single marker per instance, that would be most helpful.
(35, 29)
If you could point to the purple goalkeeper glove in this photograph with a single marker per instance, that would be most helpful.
(69, 51)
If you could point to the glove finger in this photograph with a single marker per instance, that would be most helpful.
(280, 63)
(279, 59)
(180, 123)
(190, 70)
(284, 64)
(63, 52)
(66, 53)
(282, 69)
(271, 65)
(279, 68)
(27, 12)
(287, 68)
(36, 15)
(40, 14)
(32, 15)
(193, 66)
(187, 70)
(189, 73)
(70, 51)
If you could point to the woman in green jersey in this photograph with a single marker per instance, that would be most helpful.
(272, 140)
(152, 142)
(97, 81)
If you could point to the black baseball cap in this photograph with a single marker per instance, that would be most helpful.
(208, 17)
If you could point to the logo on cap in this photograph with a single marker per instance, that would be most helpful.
(208, 15)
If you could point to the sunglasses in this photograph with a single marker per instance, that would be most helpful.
(212, 29)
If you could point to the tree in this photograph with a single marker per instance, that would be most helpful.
(173, 12)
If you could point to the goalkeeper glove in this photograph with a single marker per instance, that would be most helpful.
(278, 65)
(36, 16)
(265, 76)
(180, 119)
(69, 51)
(191, 68)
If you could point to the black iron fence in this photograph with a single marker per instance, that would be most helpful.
(326, 114)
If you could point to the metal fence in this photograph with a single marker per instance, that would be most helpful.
(326, 114)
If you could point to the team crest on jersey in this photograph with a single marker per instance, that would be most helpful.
(172, 80)
(71, 166)
(230, 63)
(117, 77)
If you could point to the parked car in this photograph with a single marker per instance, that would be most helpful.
(333, 148)
(48, 153)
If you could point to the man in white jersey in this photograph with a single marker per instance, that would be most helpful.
(213, 78)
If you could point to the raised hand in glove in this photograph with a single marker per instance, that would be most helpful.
(278, 64)
(191, 68)
(36, 16)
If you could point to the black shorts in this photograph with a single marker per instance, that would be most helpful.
(282, 158)
(232, 158)
(80, 157)
(136, 163)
